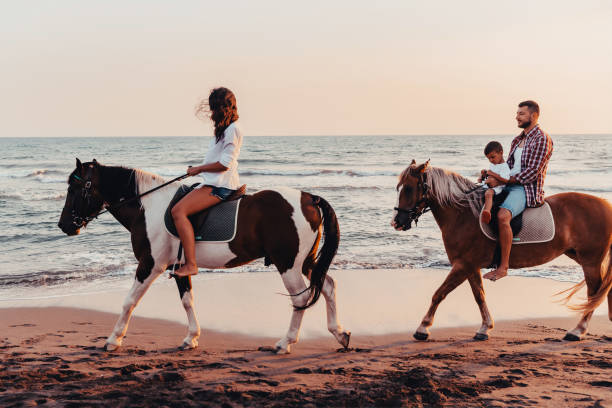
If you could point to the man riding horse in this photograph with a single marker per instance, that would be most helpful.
(528, 159)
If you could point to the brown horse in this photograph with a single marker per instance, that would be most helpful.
(583, 231)
(283, 225)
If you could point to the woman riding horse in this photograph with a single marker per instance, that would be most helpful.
(285, 226)
(219, 171)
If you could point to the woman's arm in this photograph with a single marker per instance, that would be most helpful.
(232, 141)
(215, 167)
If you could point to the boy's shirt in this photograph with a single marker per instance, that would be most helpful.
(504, 171)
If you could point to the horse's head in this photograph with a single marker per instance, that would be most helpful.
(83, 200)
(412, 196)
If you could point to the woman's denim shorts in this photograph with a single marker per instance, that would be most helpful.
(516, 200)
(221, 193)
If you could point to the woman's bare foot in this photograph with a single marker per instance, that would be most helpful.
(187, 270)
(496, 274)
(485, 216)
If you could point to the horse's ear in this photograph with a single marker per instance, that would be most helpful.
(79, 166)
(95, 162)
(411, 167)
(422, 167)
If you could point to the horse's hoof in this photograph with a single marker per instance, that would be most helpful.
(481, 336)
(186, 346)
(110, 347)
(346, 339)
(280, 348)
(571, 337)
(420, 336)
(280, 351)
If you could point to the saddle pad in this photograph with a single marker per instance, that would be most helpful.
(538, 226)
(215, 224)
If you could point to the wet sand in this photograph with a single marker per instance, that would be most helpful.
(53, 356)
(369, 302)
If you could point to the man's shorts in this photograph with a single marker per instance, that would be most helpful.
(516, 201)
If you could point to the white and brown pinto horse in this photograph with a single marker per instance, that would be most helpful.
(283, 225)
(583, 232)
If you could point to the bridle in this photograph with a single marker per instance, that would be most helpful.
(86, 196)
(422, 205)
(79, 220)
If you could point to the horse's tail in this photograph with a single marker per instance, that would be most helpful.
(593, 301)
(331, 236)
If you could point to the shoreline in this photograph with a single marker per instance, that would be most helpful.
(53, 356)
(253, 303)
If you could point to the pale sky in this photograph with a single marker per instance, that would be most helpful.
(138, 68)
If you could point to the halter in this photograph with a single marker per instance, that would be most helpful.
(421, 206)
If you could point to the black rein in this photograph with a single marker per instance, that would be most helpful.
(87, 186)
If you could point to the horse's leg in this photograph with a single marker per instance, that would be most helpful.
(592, 277)
(487, 321)
(333, 325)
(456, 277)
(186, 294)
(136, 292)
(294, 282)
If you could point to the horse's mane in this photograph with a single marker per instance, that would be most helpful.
(449, 189)
(146, 180)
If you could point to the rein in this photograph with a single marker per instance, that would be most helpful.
(474, 189)
(415, 212)
(87, 194)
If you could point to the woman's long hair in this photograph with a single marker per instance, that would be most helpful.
(222, 107)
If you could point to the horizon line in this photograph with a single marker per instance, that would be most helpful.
(306, 135)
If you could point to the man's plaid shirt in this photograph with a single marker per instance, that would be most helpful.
(536, 153)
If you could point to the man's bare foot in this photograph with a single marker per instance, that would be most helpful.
(187, 270)
(485, 216)
(496, 274)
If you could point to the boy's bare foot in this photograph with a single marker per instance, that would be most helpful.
(485, 216)
(496, 274)
(187, 270)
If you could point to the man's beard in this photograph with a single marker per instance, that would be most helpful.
(525, 125)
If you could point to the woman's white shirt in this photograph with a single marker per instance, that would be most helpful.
(226, 152)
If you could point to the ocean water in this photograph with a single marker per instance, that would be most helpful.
(357, 175)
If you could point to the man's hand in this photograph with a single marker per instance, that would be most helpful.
(500, 180)
(493, 174)
(493, 182)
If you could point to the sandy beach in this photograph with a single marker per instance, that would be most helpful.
(52, 355)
